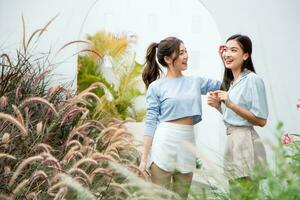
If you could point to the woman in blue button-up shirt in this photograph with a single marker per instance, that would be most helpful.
(243, 103)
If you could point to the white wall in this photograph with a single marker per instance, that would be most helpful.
(37, 14)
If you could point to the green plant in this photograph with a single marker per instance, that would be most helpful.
(119, 103)
(281, 183)
(48, 145)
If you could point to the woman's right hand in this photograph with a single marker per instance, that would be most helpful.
(142, 168)
(221, 50)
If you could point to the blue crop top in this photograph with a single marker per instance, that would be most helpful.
(174, 98)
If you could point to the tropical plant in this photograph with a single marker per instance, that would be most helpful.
(116, 51)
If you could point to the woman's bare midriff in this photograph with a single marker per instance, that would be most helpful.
(185, 121)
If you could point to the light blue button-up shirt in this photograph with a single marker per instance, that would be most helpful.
(248, 91)
(174, 98)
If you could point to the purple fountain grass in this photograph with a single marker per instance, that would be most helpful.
(23, 164)
(31, 100)
(14, 121)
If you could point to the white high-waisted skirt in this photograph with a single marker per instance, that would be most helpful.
(170, 150)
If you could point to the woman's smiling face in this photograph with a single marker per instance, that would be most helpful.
(233, 55)
(180, 63)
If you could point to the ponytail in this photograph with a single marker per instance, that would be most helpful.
(152, 70)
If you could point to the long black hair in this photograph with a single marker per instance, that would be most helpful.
(246, 45)
(167, 47)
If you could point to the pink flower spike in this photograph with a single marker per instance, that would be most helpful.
(287, 139)
(298, 106)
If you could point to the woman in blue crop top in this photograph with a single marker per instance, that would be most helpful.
(173, 107)
(244, 105)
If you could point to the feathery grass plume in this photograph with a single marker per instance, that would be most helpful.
(4, 55)
(94, 86)
(61, 193)
(71, 114)
(40, 174)
(134, 168)
(49, 159)
(55, 90)
(51, 190)
(7, 170)
(55, 178)
(44, 147)
(76, 142)
(87, 141)
(88, 150)
(75, 133)
(72, 151)
(83, 181)
(109, 96)
(82, 173)
(113, 152)
(82, 127)
(144, 188)
(4, 155)
(70, 43)
(76, 101)
(40, 31)
(19, 187)
(73, 184)
(24, 34)
(84, 160)
(3, 102)
(70, 140)
(5, 138)
(39, 128)
(119, 133)
(101, 157)
(19, 115)
(101, 171)
(99, 124)
(11, 119)
(86, 95)
(23, 164)
(31, 196)
(93, 52)
(105, 131)
(76, 156)
(121, 143)
(91, 126)
(17, 92)
(30, 100)
(123, 189)
(40, 77)
(84, 116)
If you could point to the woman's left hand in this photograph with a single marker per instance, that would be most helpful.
(213, 100)
(224, 97)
